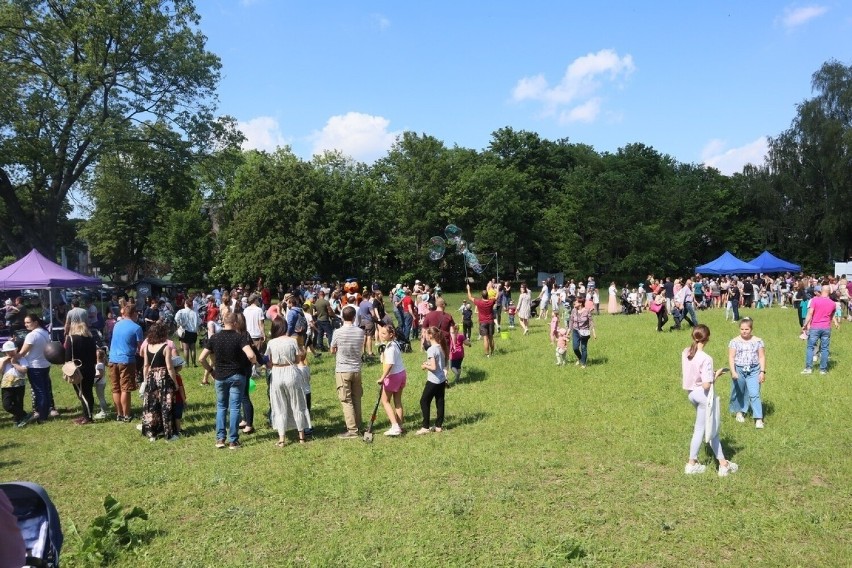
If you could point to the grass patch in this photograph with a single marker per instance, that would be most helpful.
(540, 466)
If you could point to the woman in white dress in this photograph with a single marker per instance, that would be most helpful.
(612, 303)
(524, 307)
(286, 390)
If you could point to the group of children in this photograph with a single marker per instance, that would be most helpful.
(441, 351)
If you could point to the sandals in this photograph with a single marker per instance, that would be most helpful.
(248, 430)
(280, 444)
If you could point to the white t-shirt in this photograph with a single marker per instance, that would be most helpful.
(254, 321)
(37, 339)
(393, 356)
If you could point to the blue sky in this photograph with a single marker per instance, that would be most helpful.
(704, 82)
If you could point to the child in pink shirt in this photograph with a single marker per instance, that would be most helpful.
(554, 323)
(457, 341)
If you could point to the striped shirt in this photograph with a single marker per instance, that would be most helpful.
(349, 341)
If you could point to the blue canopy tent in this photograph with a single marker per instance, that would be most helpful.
(768, 262)
(727, 264)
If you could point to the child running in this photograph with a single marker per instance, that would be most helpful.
(457, 341)
(393, 379)
(436, 379)
(698, 375)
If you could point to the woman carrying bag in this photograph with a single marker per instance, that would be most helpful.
(81, 350)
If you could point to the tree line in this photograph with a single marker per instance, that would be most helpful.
(100, 111)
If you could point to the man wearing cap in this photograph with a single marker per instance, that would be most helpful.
(347, 345)
(254, 321)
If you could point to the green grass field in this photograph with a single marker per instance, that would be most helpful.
(539, 466)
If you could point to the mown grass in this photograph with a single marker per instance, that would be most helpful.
(540, 466)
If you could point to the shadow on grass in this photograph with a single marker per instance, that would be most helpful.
(729, 446)
(467, 419)
(768, 409)
(471, 375)
(596, 360)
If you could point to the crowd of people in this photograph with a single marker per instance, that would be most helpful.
(128, 347)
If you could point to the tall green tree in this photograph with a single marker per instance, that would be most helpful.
(77, 75)
(135, 192)
(811, 163)
(266, 221)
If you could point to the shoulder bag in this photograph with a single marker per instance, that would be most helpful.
(71, 369)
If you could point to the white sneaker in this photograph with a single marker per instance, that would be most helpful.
(694, 468)
(100, 415)
(740, 417)
(394, 430)
(724, 470)
(807, 371)
(758, 424)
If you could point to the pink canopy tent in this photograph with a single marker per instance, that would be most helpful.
(37, 271)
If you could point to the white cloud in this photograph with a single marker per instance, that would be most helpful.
(362, 136)
(732, 160)
(794, 17)
(579, 88)
(262, 133)
(382, 21)
(586, 112)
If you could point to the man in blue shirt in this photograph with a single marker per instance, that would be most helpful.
(126, 339)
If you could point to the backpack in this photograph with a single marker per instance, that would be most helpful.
(301, 322)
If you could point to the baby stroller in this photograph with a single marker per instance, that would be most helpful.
(403, 342)
(38, 522)
(627, 308)
(534, 307)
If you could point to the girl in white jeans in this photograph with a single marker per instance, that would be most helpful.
(698, 375)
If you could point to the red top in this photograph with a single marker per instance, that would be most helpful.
(212, 312)
(485, 309)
